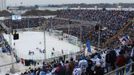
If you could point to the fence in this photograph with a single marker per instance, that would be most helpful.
(26, 68)
(124, 70)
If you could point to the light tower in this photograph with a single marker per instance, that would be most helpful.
(2, 5)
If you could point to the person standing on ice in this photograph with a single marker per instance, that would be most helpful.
(52, 53)
(29, 52)
(62, 52)
(44, 50)
(40, 51)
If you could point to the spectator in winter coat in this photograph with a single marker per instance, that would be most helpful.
(42, 72)
(110, 60)
(67, 67)
(89, 71)
(38, 71)
(83, 64)
(98, 70)
(121, 61)
(71, 66)
(77, 70)
(60, 70)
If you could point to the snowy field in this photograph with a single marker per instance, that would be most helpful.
(34, 41)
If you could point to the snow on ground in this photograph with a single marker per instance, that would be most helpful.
(4, 60)
(33, 41)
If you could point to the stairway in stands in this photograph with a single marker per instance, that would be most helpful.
(130, 31)
(120, 32)
(4, 27)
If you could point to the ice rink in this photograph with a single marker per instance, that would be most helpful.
(34, 41)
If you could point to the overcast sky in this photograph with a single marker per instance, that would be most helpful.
(46, 2)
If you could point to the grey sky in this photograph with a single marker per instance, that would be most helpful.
(33, 2)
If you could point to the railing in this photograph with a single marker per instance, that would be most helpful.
(65, 56)
(116, 35)
(124, 70)
(26, 68)
(5, 27)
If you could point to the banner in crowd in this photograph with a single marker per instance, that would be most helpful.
(88, 45)
(125, 40)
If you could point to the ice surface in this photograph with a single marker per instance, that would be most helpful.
(33, 41)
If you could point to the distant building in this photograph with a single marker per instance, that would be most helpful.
(2, 5)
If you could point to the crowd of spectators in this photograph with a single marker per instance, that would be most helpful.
(129, 31)
(95, 64)
(5, 47)
(100, 5)
(5, 13)
(24, 23)
(111, 20)
(39, 13)
(53, 23)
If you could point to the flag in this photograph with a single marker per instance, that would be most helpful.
(125, 40)
(88, 45)
(90, 35)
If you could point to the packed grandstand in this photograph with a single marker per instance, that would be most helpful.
(113, 29)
